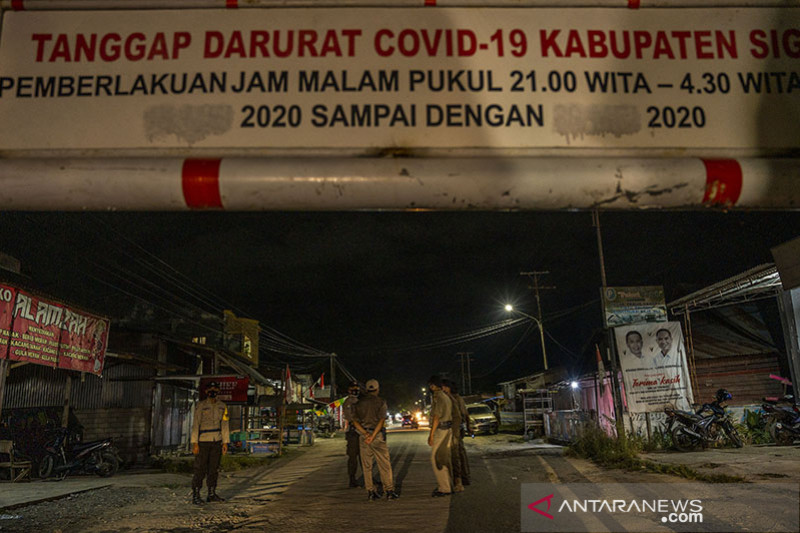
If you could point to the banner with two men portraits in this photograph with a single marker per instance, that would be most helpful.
(651, 350)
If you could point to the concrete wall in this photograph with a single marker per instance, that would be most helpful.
(129, 427)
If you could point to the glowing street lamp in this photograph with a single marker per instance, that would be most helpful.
(510, 308)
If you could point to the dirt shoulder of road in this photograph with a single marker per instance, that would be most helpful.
(145, 501)
(756, 464)
(582, 470)
(750, 464)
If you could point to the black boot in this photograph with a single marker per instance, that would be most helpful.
(213, 496)
(196, 498)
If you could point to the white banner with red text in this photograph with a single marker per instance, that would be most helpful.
(401, 78)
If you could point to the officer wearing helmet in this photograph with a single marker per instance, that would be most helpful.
(210, 439)
(351, 433)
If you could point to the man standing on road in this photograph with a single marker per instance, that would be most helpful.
(369, 419)
(440, 436)
(351, 433)
(210, 437)
(460, 428)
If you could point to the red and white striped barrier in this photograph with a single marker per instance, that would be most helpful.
(322, 184)
(80, 5)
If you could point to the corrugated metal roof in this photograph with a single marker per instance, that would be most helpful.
(730, 331)
(759, 282)
(122, 385)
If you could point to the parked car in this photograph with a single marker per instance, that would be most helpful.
(482, 418)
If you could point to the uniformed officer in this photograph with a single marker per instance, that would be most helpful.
(210, 438)
(351, 433)
(440, 437)
(369, 419)
(461, 426)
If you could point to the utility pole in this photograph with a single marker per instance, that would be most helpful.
(463, 379)
(333, 377)
(466, 377)
(469, 374)
(534, 276)
(612, 353)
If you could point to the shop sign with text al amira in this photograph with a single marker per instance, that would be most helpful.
(364, 78)
(46, 332)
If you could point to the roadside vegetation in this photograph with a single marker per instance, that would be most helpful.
(610, 452)
(754, 429)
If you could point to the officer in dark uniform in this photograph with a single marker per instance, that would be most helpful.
(351, 434)
(210, 438)
(369, 419)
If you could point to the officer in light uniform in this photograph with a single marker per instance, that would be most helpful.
(440, 437)
(210, 438)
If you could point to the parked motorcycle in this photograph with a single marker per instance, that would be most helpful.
(66, 455)
(325, 426)
(782, 419)
(690, 430)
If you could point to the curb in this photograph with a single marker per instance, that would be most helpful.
(50, 498)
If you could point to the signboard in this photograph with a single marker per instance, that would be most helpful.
(232, 389)
(633, 305)
(654, 368)
(362, 78)
(44, 332)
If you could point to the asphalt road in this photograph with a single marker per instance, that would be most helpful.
(491, 503)
(321, 501)
(308, 492)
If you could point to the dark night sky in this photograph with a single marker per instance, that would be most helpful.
(359, 283)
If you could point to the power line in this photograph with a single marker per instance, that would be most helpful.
(172, 287)
(510, 352)
(272, 338)
(459, 338)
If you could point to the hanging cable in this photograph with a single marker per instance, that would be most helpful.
(451, 340)
(510, 352)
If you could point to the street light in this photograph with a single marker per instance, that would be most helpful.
(510, 309)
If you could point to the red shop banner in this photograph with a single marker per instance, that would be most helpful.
(232, 389)
(44, 332)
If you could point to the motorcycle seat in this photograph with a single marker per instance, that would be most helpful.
(84, 445)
